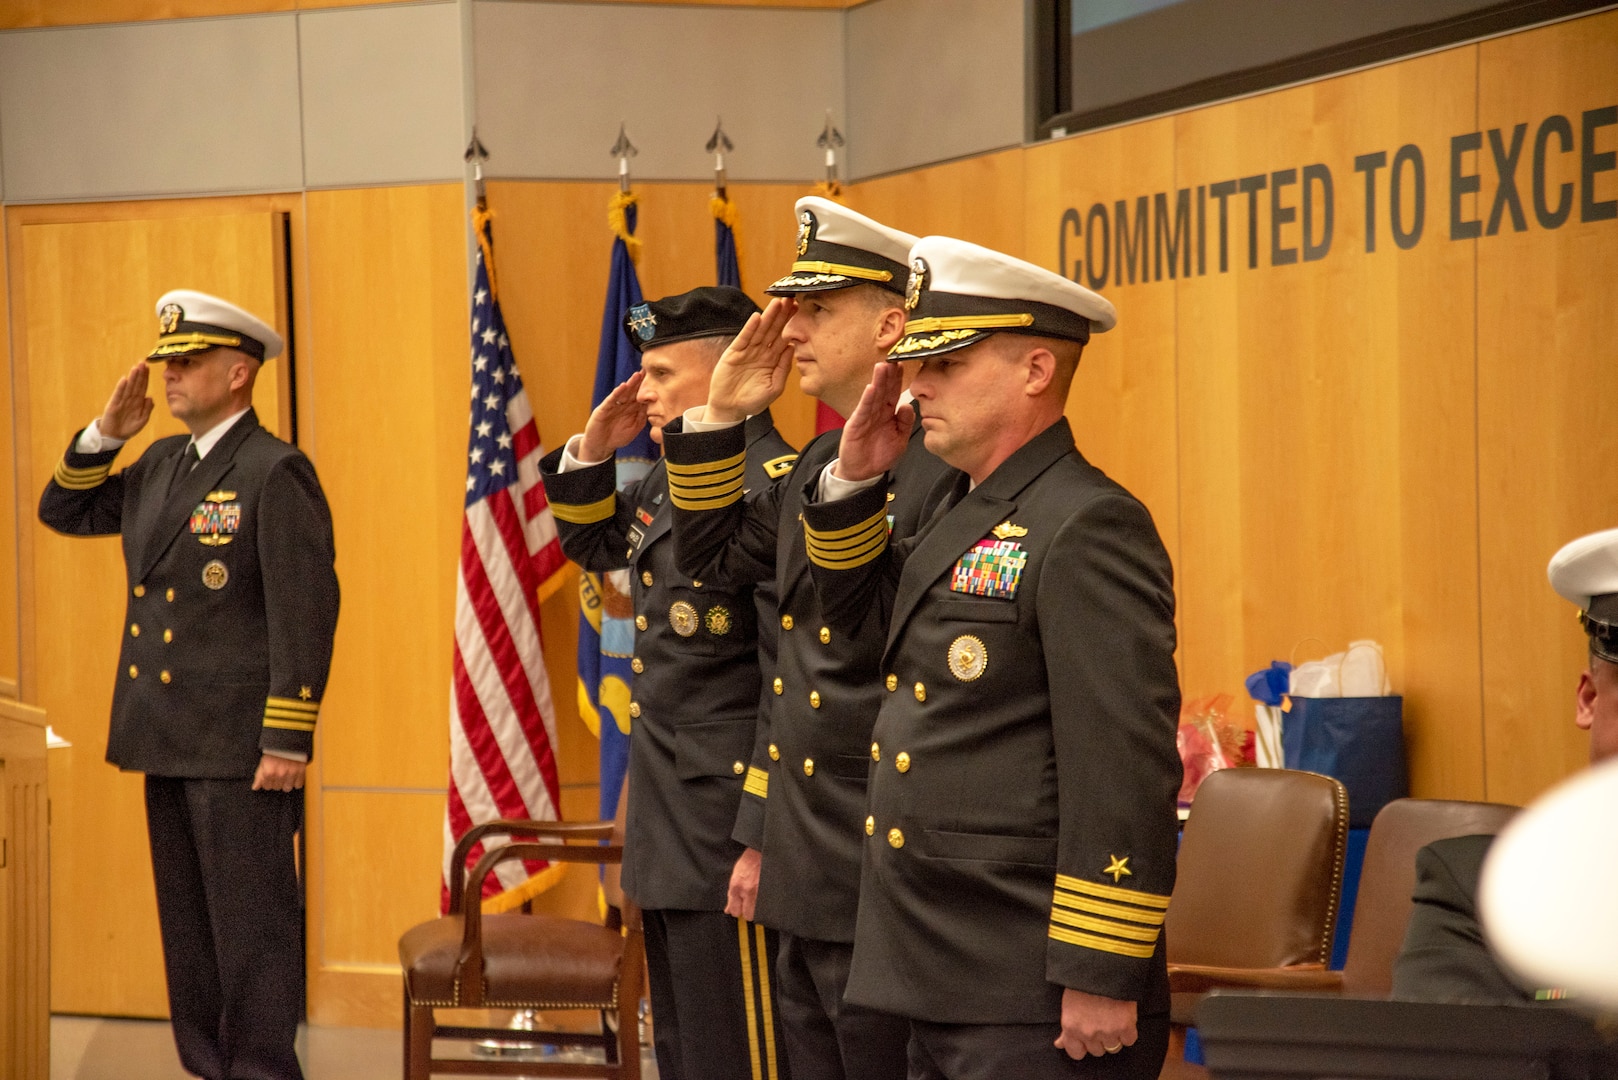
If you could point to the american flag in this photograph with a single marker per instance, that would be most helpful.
(502, 722)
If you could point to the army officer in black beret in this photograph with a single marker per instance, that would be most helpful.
(232, 605)
(696, 695)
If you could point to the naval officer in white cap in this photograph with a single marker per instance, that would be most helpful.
(1020, 838)
(232, 605)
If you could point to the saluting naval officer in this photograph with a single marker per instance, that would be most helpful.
(227, 542)
(841, 309)
(1020, 843)
(696, 695)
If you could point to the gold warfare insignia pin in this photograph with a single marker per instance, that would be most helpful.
(1007, 531)
(169, 318)
(917, 282)
(718, 621)
(968, 658)
(214, 575)
(806, 224)
(1119, 868)
(683, 617)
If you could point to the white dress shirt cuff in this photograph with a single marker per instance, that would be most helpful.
(832, 488)
(570, 458)
(290, 755)
(91, 441)
(696, 420)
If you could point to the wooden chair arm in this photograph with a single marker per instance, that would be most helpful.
(1200, 978)
(563, 830)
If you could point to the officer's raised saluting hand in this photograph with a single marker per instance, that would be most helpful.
(129, 407)
(876, 435)
(752, 373)
(615, 422)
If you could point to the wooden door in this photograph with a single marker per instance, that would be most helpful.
(83, 297)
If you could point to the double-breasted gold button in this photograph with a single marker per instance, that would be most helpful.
(896, 838)
(738, 768)
(168, 636)
(825, 635)
(636, 666)
(786, 622)
(134, 672)
(814, 699)
(778, 686)
(646, 578)
(634, 710)
(893, 683)
(901, 761)
(921, 692)
(808, 766)
(640, 622)
(165, 676)
(134, 629)
(870, 826)
(876, 751)
(695, 584)
(140, 590)
(169, 596)
(775, 752)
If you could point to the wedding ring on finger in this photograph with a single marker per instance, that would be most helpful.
(1113, 1049)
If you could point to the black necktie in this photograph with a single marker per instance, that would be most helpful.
(182, 468)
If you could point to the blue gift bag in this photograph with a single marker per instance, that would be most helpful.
(1358, 740)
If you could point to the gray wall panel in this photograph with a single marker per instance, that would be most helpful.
(930, 80)
(202, 105)
(382, 95)
(554, 80)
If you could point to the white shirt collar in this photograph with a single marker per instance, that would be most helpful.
(210, 438)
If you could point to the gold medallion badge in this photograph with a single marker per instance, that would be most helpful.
(214, 575)
(169, 318)
(967, 658)
(683, 617)
(806, 223)
(718, 621)
(918, 281)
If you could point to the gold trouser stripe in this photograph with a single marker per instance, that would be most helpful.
(805, 266)
(292, 703)
(1104, 926)
(1099, 907)
(747, 996)
(81, 479)
(290, 725)
(769, 1011)
(757, 782)
(966, 322)
(826, 536)
(585, 513)
(1109, 892)
(718, 502)
(849, 558)
(703, 468)
(1090, 941)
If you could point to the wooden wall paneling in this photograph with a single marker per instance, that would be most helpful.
(1546, 421)
(980, 199)
(382, 854)
(10, 438)
(105, 957)
(16, 14)
(24, 895)
(1326, 428)
(1122, 405)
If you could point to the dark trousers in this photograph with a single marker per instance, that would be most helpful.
(1025, 1051)
(232, 924)
(826, 1037)
(712, 984)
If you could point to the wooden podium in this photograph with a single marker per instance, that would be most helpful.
(24, 896)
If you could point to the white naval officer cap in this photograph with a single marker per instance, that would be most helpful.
(838, 249)
(959, 293)
(189, 321)
(1585, 573)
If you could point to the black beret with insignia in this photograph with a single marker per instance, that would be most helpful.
(709, 311)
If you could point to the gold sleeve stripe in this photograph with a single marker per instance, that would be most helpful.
(1101, 944)
(712, 490)
(296, 704)
(81, 479)
(966, 322)
(1109, 892)
(585, 513)
(272, 713)
(826, 536)
(876, 527)
(1098, 907)
(712, 502)
(707, 477)
(1104, 926)
(776, 468)
(735, 461)
(847, 558)
(290, 725)
(804, 266)
(757, 782)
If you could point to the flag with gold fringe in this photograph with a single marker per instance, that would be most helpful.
(502, 719)
(724, 240)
